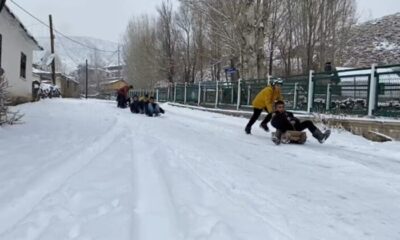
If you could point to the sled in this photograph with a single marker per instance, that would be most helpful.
(293, 137)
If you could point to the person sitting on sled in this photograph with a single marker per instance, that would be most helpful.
(153, 109)
(135, 105)
(143, 103)
(285, 121)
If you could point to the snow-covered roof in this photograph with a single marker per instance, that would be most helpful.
(42, 72)
(115, 66)
(25, 30)
(113, 81)
(39, 71)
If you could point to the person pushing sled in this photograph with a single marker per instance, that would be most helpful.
(289, 129)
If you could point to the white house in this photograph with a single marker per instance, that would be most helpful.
(16, 54)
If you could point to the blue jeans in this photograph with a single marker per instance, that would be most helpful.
(153, 109)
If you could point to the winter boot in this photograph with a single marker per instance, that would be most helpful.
(248, 130)
(321, 137)
(276, 137)
(264, 126)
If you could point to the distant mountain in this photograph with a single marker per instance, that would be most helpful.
(376, 41)
(72, 54)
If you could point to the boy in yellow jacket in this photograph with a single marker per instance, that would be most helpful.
(265, 99)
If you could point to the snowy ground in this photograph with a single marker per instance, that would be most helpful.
(87, 170)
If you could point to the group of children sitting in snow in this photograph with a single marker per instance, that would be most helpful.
(143, 105)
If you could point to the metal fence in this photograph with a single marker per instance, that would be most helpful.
(371, 92)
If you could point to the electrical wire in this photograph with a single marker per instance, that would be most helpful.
(62, 34)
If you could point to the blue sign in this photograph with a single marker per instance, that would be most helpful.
(230, 70)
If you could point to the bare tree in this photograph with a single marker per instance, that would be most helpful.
(140, 52)
(167, 37)
(204, 37)
(185, 21)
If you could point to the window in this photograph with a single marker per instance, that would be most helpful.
(23, 66)
(1, 45)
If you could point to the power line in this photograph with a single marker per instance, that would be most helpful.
(62, 34)
(67, 53)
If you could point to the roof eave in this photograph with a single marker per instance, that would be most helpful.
(36, 43)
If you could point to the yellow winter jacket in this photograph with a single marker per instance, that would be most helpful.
(266, 98)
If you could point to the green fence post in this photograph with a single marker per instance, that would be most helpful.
(184, 96)
(216, 94)
(175, 84)
(380, 89)
(310, 91)
(328, 98)
(372, 92)
(232, 91)
(248, 94)
(295, 97)
(205, 93)
(239, 94)
(199, 95)
(157, 94)
(168, 92)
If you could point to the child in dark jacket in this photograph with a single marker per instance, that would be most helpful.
(135, 105)
(143, 102)
(285, 121)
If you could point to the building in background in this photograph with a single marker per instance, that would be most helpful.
(69, 87)
(16, 55)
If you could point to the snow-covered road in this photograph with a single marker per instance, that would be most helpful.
(87, 170)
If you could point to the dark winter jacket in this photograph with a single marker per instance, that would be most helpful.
(123, 91)
(285, 121)
(135, 107)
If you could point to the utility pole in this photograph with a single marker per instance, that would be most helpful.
(53, 64)
(87, 77)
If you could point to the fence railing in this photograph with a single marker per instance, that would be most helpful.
(370, 92)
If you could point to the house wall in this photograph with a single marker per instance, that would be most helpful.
(14, 42)
(69, 89)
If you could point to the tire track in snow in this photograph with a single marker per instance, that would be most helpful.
(154, 205)
(235, 198)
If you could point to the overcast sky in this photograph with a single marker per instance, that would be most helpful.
(107, 19)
